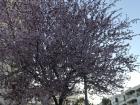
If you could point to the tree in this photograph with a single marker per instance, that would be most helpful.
(57, 43)
(106, 101)
(79, 101)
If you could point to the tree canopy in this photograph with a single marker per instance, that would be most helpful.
(53, 44)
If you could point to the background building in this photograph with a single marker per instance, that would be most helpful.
(128, 97)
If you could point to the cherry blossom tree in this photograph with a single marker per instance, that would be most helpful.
(56, 44)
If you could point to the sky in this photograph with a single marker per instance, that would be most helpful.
(131, 8)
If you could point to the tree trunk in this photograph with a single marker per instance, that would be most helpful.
(85, 88)
(24, 102)
(61, 101)
(55, 100)
(45, 100)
